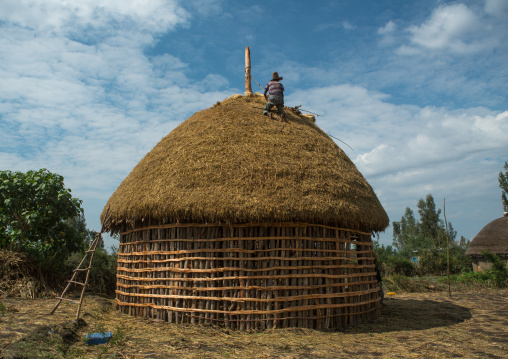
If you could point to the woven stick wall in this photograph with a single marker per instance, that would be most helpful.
(251, 276)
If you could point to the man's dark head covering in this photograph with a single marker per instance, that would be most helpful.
(275, 77)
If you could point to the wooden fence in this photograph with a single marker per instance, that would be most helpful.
(248, 277)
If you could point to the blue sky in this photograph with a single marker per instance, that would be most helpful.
(419, 89)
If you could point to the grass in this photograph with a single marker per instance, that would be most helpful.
(478, 281)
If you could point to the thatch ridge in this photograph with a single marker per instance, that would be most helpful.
(492, 238)
(229, 163)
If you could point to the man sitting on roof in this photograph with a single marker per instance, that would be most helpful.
(275, 96)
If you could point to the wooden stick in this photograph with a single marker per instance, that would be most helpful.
(248, 85)
(245, 312)
(248, 278)
(192, 251)
(231, 238)
(447, 249)
(98, 237)
(304, 286)
(243, 225)
(316, 317)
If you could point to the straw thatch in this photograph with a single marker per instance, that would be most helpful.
(231, 164)
(246, 222)
(492, 238)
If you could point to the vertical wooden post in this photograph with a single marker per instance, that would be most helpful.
(447, 248)
(248, 86)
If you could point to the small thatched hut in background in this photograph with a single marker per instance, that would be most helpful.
(492, 238)
(243, 221)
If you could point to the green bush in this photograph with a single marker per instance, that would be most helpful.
(102, 277)
(498, 271)
(460, 264)
(496, 276)
(432, 262)
(435, 262)
(397, 265)
(34, 211)
(103, 274)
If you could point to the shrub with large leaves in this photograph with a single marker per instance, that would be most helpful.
(35, 208)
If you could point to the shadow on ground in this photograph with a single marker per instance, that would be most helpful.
(411, 314)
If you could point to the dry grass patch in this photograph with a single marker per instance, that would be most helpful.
(430, 325)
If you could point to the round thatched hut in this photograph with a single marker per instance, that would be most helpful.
(492, 238)
(247, 222)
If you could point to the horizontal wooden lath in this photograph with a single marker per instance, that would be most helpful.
(248, 277)
(296, 258)
(240, 287)
(292, 309)
(242, 225)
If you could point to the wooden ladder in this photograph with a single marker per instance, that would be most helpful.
(90, 252)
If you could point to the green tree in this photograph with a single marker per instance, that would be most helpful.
(459, 262)
(36, 213)
(498, 271)
(429, 233)
(78, 229)
(427, 238)
(406, 233)
(503, 184)
(429, 224)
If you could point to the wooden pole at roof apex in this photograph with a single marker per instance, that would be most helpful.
(248, 86)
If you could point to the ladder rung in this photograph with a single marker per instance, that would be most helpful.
(68, 300)
(71, 281)
(81, 269)
(90, 251)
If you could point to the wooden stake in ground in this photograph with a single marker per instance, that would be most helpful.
(447, 248)
(248, 86)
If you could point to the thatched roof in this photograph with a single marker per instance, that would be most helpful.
(229, 163)
(493, 238)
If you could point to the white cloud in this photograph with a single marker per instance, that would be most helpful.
(353, 112)
(213, 81)
(493, 127)
(80, 97)
(454, 28)
(64, 16)
(346, 25)
(435, 136)
(406, 151)
(388, 29)
(206, 7)
(497, 8)
(90, 109)
(387, 33)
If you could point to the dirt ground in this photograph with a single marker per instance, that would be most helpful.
(412, 325)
